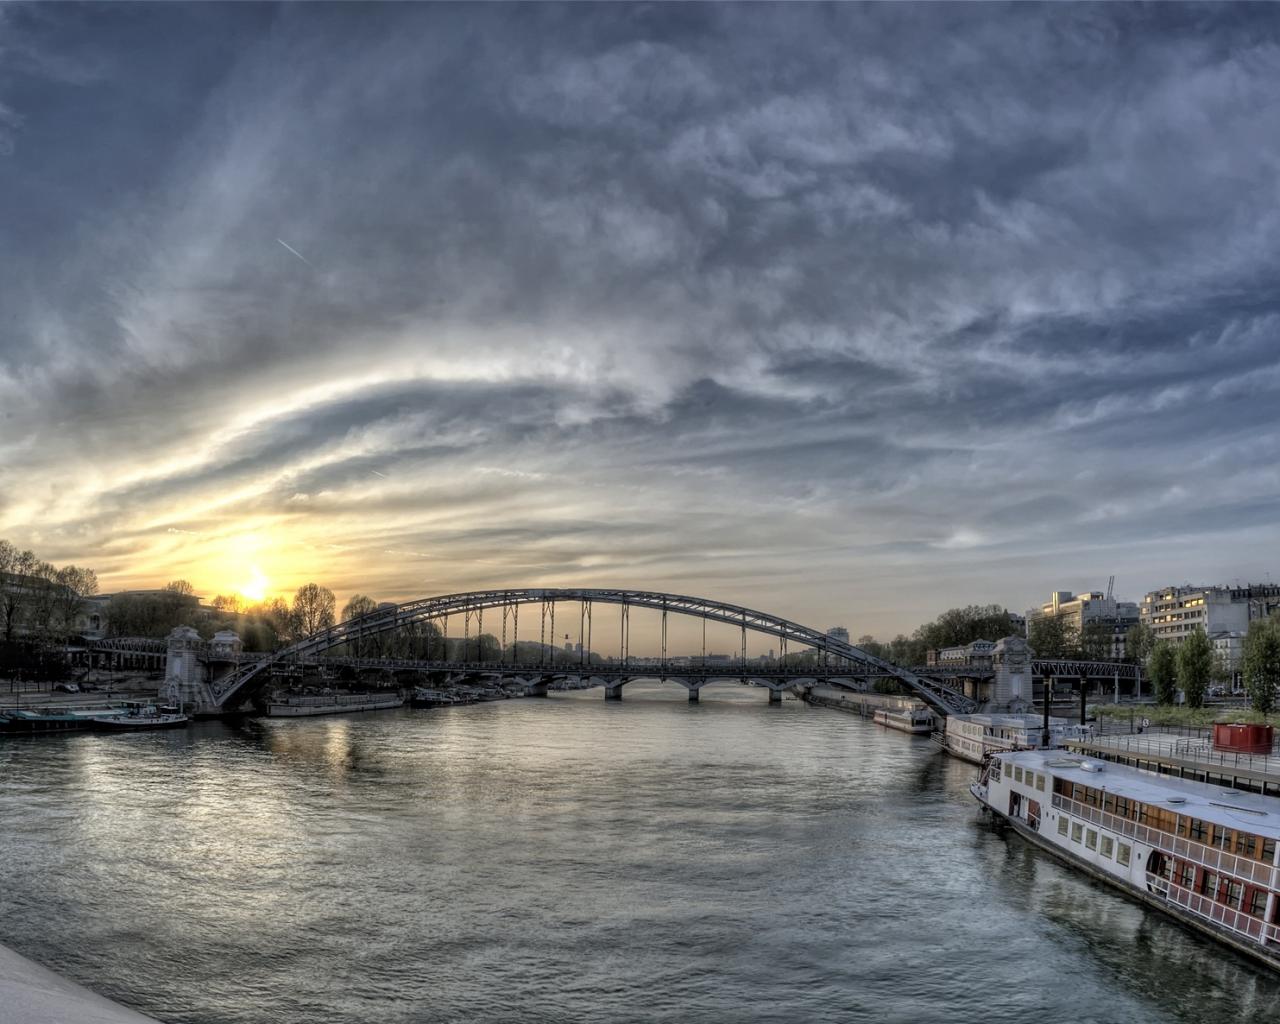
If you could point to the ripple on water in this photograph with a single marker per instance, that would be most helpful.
(568, 860)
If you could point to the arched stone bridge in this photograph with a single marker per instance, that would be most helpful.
(234, 682)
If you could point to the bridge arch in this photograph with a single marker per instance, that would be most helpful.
(246, 681)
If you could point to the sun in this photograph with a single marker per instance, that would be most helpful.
(256, 588)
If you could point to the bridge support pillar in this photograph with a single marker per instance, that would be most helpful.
(613, 691)
(775, 695)
(538, 688)
(693, 694)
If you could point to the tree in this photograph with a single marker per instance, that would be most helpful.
(1163, 670)
(75, 584)
(872, 646)
(313, 608)
(43, 605)
(1195, 666)
(229, 604)
(1139, 642)
(17, 595)
(360, 604)
(1261, 663)
(1053, 636)
(1096, 639)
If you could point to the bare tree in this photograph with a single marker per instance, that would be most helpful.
(17, 595)
(360, 604)
(74, 585)
(313, 608)
(44, 592)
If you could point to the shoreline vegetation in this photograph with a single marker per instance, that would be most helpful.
(1202, 718)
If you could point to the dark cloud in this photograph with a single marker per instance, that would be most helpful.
(955, 295)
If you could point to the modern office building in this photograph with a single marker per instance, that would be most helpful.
(1088, 609)
(1175, 612)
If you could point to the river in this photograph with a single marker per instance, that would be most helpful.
(568, 859)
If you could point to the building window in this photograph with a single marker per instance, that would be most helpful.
(1108, 845)
(1122, 854)
(1091, 839)
(1258, 902)
(1077, 831)
(1246, 844)
(1063, 824)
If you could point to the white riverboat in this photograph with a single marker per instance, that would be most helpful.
(331, 704)
(917, 720)
(1208, 856)
(973, 737)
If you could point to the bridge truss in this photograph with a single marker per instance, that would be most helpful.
(837, 655)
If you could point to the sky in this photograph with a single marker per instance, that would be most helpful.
(850, 314)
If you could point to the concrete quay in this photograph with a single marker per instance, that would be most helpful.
(1187, 757)
(31, 994)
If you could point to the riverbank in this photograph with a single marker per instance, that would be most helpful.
(31, 994)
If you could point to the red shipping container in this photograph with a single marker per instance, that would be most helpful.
(1241, 738)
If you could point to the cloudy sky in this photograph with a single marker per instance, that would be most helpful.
(847, 313)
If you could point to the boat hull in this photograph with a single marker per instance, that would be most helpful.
(283, 710)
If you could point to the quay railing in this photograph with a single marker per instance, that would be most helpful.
(1200, 751)
(1256, 871)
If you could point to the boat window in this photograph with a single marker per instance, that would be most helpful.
(1257, 902)
(1234, 893)
(1246, 844)
(1063, 824)
(1077, 831)
(1122, 807)
(1269, 850)
(1122, 853)
(1091, 839)
(1186, 875)
(1108, 845)
(1040, 783)
(1008, 770)
(1198, 830)
(1209, 883)
(1017, 774)
(1221, 836)
(1109, 803)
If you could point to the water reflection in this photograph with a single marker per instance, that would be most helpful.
(567, 859)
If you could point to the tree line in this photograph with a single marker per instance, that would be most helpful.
(1192, 665)
(39, 599)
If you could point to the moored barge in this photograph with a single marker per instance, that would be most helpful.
(332, 704)
(1207, 856)
(972, 737)
(917, 720)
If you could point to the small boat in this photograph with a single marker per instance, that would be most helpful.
(136, 716)
(423, 698)
(32, 721)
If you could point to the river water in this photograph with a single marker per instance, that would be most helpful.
(568, 859)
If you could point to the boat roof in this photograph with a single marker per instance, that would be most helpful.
(1015, 721)
(1232, 808)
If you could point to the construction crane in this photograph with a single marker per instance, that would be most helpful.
(1110, 583)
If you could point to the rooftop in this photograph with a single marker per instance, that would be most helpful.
(1231, 808)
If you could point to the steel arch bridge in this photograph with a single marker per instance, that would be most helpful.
(246, 680)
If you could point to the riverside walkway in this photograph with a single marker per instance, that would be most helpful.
(31, 994)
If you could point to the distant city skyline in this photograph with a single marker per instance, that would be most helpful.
(852, 314)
